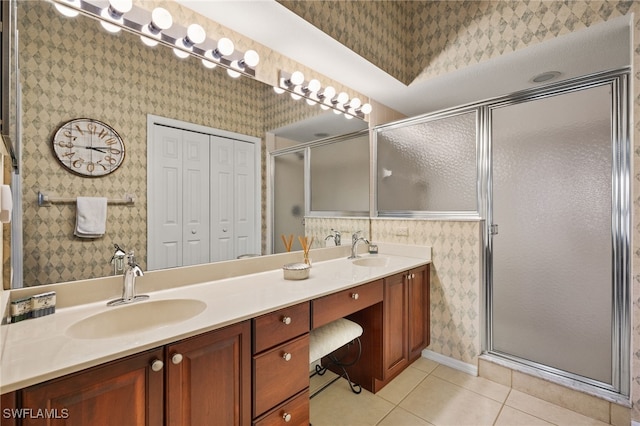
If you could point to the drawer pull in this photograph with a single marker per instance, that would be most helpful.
(286, 356)
(176, 358)
(286, 320)
(286, 417)
(355, 296)
(157, 365)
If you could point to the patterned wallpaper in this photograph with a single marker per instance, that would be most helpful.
(71, 68)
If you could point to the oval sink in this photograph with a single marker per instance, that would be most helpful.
(135, 318)
(372, 262)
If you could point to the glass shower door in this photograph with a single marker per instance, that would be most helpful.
(552, 279)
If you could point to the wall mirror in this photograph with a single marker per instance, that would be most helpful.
(72, 68)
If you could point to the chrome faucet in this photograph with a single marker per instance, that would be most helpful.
(355, 239)
(132, 270)
(336, 237)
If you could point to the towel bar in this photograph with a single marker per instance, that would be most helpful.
(45, 201)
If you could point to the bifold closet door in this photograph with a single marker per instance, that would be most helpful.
(178, 206)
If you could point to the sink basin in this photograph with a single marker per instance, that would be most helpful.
(371, 262)
(135, 318)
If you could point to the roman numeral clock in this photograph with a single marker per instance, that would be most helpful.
(88, 147)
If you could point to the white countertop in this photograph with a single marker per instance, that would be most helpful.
(39, 349)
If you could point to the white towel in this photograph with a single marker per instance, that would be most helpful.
(6, 203)
(91, 217)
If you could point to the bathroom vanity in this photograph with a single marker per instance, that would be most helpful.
(247, 367)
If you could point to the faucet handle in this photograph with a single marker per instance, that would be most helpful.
(118, 254)
(355, 236)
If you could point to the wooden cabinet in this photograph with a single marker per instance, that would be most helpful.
(406, 321)
(339, 305)
(395, 331)
(209, 377)
(281, 366)
(186, 383)
(122, 392)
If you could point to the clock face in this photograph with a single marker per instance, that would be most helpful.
(88, 147)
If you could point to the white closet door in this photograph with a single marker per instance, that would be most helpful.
(222, 200)
(165, 202)
(195, 225)
(178, 231)
(245, 199)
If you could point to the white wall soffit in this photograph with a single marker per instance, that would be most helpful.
(601, 47)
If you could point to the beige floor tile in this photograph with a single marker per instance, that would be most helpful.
(443, 403)
(400, 387)
(338, 406)
(424, 364)
(548, 411)
(479, 385)
(316, 382)
(512, 417)
(400, 417)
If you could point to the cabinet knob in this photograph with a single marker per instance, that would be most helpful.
(157, 365)
(176, 358)
(286, 417)
(286, 356)
(355, 296)
(286, 320)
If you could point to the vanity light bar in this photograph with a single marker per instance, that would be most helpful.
(138, 21)
(325, 96)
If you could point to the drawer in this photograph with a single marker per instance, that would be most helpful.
(294, 412)
(279, 326)
(339, 305)
(276, 379)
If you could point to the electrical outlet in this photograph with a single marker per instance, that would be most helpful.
(402, 231)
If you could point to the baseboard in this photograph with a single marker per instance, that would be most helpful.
(453, 363)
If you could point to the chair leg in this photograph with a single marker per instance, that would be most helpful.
(333, 360)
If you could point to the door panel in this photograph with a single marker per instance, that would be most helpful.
(552, 258)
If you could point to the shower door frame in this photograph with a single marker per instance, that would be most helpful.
(619, 389)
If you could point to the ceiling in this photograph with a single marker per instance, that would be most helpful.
(598, 48)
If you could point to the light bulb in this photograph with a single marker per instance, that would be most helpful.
(195, 35)
(67, 11)
(311, 102)
(342, 98)
(297, 78)
(314, 85)
(348, 116)
(250, 59)
(328, 93)
(115, 11)
(355, 103)
(209, 61)
(324, 106)
(278, 90)
(160, 20)
(295, 96)
(233, 73)
(225, 47)
(366, 109)
(337, 111)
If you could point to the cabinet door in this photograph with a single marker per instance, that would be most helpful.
(418, 311)
(209, 378)
(395, 325)
(124, 392)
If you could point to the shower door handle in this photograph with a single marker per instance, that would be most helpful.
(493, 230)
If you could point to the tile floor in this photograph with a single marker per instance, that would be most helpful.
(428, 393)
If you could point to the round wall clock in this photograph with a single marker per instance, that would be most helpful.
(88, 147)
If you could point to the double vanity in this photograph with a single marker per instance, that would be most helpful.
(234, 348)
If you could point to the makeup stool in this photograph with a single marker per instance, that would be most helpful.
(325, 340)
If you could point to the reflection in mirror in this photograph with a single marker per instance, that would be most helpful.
(71, 68)
(288, 199)
(340, 176)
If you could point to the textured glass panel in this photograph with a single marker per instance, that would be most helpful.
(288, 198)
(552, 257)
(428, 166)
(340, 175)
